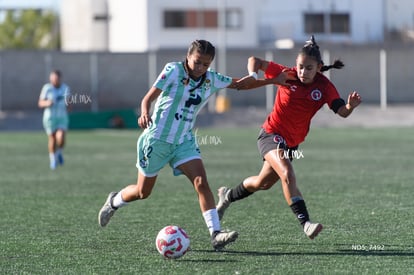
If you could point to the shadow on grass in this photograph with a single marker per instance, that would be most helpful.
(338, 252)
(348, 252)
(208, 260)
(204, 260)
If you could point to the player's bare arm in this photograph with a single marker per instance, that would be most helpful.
(254, 64)
(45, 103)
(354, 99)
(144, 120)
(249, 82)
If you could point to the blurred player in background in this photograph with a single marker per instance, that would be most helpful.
(55, 116)
(180, 91)
(287, 126)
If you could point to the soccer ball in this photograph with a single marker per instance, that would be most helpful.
(172, 242)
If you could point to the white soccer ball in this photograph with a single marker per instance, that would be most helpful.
(172, 242)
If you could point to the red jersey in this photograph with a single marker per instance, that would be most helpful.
(295, 106)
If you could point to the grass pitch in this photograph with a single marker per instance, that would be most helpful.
(358, 182)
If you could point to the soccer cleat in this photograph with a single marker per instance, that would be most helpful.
(107, 211)
(224, 202)
(312, 229)
(220, 239)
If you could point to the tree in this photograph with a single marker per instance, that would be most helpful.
(29, 29)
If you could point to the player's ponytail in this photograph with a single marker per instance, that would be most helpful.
(338, 64)
(311, 48)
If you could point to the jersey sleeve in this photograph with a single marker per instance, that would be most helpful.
(333, 99)
(273, 70)
(220, 81)
(168, 74)
(44, 93)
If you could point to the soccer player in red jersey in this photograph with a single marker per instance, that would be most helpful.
(287, 126)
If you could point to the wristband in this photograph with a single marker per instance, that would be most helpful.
(253, 74)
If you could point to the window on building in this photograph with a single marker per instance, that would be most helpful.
(314, 23)
(174, 19)
(234, 19)
(209, 19)
(338, 23)
(201, 18)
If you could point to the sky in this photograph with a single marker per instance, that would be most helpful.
(54, 4)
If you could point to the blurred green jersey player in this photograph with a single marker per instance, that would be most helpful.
(53, 99)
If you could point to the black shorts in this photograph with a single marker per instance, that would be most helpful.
(268, 142)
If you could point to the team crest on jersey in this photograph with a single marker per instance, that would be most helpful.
(185, 80)
(207, 84)
(316, 95)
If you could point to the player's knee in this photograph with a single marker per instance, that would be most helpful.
(60, 135)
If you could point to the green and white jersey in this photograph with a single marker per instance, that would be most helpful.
(177, 106)
(58, 96)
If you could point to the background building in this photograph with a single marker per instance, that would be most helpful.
(139, 26)
(146, 25)
(113, 50)
(84, 25)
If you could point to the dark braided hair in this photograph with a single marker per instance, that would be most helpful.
(312, 49)
(338, 64)
(202, 47)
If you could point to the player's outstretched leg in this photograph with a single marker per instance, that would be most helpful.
(107, 210)
(220, 239)
(224, 201)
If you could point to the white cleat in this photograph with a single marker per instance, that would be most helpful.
(312, 229)
(222, 238)
(107, 211)
(224, 202)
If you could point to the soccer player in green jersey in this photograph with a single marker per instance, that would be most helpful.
(180, 91)
(55, 117)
